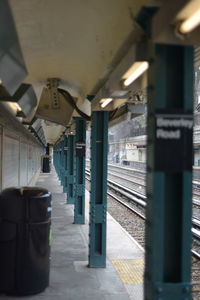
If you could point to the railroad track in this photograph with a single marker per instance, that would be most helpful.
(132, 202)
(140, 174)
(128, 170)
(139, 201)
(138, 184)
(133, 181)
(129, 178)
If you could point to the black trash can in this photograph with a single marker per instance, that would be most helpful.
(46, 164)
(25, 220)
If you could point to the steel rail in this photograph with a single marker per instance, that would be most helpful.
(196, 222)
(196, 233)
(127, 179)
(130, 194)
(196, 202)
(127, 168)
(195, 254)
(127, 206)
(129, 191)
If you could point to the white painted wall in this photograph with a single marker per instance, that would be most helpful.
(20, 159)
(23, 163)
(10, 175)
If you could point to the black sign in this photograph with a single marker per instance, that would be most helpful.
(173, 144)
(65, 150)
(80, 149)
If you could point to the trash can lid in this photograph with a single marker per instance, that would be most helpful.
(27, 191)
(17, 204)
(32, 191)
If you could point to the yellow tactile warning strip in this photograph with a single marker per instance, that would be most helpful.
(130, 270)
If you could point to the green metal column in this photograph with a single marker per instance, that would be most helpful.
(79, 207)
(65, 164)
(62, 163)
(54, 156)
(169, 174)
(56, 161)
(59, 157)
(98, 196)
(70, 172)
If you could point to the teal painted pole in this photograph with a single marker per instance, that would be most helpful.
(65, 164)
(59, 154)
(80, 138)
(169, 174)
(98, 196)
(56, 158)
(62, 163)
(70, 172)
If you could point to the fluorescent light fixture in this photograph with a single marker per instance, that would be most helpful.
(12, 66)
(24, 100)
(191, 23)
(14, 106)
(190, 17)
(105, 101)
(135, 71)
(17, 106)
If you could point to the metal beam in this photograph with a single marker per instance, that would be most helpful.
(59, 160)
(65, 164)
(79, 207)
(70, 173)
(98, 197)
(12, 66)
(169, 174)
(166, 21)
(62, 165)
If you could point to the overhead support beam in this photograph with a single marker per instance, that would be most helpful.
(36, 125)
(136, 35)
(166, 27)
(169, 173)
(98, 196)
(114, 88)
(128, 78)
(17, 124)
(80, 139)
(12, 66)
(114, 91)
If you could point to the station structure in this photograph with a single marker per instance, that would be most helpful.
(87, 63)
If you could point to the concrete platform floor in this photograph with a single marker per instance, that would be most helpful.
(70, 278)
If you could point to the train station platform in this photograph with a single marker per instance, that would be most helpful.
(70, 278)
